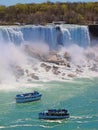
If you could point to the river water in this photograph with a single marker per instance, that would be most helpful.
(79, 97)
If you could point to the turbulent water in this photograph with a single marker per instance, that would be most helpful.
(24, 49)
(80, 98)
(52, 59)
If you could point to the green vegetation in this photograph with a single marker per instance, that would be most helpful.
(72, 13)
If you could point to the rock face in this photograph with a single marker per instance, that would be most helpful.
(67, 56)
(58, 59)
(54, 66)
(94, 68)
(55, 70)
(33, 76)
(71, 75)
(45, 66)
(51, 57)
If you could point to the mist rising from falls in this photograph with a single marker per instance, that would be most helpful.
(45, 53)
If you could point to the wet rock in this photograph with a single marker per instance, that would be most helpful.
(55, 70)
(53, 59)
(68, 65)
(56, 59)
(47, 67)
(71, 75)
(29, 80)
(79, 70)
(67, 56)
(94, 68)
(33, 76)
(55, 67)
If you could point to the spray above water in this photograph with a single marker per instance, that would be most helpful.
(40, 53)
(10, 55)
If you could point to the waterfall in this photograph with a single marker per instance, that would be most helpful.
(75, 34)
(53, 35)
(32, 52)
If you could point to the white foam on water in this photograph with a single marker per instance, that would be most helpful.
(2, 127)
(20, 65)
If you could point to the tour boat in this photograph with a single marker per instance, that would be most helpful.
(54, 114)
(28, 97)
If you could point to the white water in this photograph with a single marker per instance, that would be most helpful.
(19, 44)
(51, 35)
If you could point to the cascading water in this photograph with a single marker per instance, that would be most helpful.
(23, 49)
(29, 55)
(64, 35)
(74, 34)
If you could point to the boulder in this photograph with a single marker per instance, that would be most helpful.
(33, 76)
(71, 75)
(47, 67)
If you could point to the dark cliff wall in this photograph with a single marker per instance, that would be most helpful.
(93, 30)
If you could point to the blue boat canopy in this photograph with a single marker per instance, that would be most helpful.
(28, 97)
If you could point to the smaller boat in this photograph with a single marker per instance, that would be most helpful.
(54, 114)
(28, 97)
